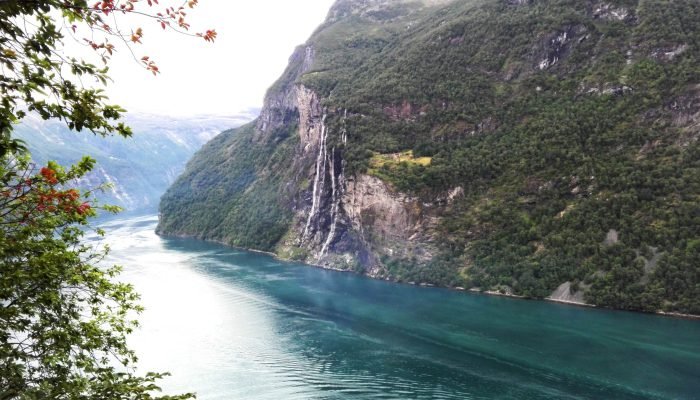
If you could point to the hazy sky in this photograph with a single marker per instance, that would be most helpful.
(255, 40)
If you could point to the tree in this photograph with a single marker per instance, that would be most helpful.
(63, 317)
(37, 77)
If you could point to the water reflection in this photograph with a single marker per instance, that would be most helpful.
(231, 324)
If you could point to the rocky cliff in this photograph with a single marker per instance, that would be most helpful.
(488, 144)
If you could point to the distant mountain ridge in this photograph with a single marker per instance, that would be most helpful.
(141, 167)
(539, 148)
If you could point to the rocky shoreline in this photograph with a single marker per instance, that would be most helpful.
(471, 290)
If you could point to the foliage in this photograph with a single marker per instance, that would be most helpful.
(63, 319)
(38, 77)
(248, 207)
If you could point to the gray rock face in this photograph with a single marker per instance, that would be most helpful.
(281, 102)
(519, 2)
(338, 223)
(394, 222)
(611, 238)
(558, 45)
(310, 118)
(685, 112)
(348, 222)
(564, 294)
(610, 12)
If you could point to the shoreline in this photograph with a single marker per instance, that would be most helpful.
(428, 285)
(574, 303)
(585, 305)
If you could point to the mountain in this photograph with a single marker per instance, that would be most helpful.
(540, 148)
(141, 167)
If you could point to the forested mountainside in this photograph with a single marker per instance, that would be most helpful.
(538, 148)
(140, 168)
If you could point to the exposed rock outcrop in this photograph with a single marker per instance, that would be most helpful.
(611, 12)
(611, 238)
(310, 117)
(394, 222)
(565, 294)
(281, 106)
(558, 45)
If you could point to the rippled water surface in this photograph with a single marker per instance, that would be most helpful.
(231, 324)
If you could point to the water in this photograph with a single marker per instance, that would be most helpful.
(231, 324)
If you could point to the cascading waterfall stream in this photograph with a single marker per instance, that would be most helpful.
(322, 159)
(337, 188)
(334, 208)
(318, 179)
(344, 132)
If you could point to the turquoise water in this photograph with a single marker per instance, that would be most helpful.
(231, 324)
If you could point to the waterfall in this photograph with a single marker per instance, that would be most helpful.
(319, 179)
(322, 159)
(344, 132)
(337, 186)
(335, 198)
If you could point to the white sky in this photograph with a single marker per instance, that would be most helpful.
(255, 40)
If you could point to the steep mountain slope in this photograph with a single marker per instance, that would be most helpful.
(542, 147)
(140, 168)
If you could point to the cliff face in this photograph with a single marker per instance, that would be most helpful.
(336, 220)
(488, 143)
(339, 222)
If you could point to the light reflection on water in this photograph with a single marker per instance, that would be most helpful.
(214, 337)
(230, 324)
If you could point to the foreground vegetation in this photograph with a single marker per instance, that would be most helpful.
(64, 317)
